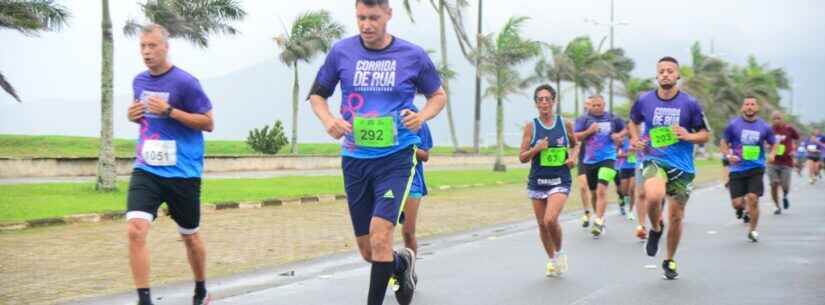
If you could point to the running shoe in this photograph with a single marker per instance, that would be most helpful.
(406, 284)
(652, 245)
(561, 263)
(785, 203)
(669, 266)
(746, 218)
(585, 221)
(621, 209)
(631, 216)
(550, 269)
(753, 236)
(598, 227)
(205, 300)
(739, 213)
(777, 211)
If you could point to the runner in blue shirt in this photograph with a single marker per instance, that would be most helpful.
(172, 111)
(744, 143)
(598, 133)
(418, 189)
(674, 122)
(379, 75)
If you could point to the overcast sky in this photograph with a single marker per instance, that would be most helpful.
(65, 65)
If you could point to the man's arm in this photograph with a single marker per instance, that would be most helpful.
(199, 121)
(435, 103)
(335, 127)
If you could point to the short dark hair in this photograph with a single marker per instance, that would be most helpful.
(668, 59)
(544, 87)
(373, 2)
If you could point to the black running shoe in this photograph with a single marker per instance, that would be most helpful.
(777, 211)
(739, 213)
(406, 280)
(669, 266)
(785, 203)
(652, 244)
(204, 300)
(746, 218)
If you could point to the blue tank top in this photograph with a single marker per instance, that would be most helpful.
(544, 178)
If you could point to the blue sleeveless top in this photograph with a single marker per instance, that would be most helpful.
(544, 178)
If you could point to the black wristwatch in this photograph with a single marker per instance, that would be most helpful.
(168, 111)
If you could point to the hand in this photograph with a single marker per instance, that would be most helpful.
(593, 128)
(542, 144)
(412, 120)
(638, 144)
(136, 110)
(156, 105)
(733, 159)
(337, 127)
(570, 162)
(771, 158)
(681, 132)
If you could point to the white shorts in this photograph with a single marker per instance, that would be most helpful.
(539, 195)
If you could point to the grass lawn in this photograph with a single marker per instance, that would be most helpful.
(69, 146)
(33, 201)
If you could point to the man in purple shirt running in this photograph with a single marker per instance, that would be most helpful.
(674, 122)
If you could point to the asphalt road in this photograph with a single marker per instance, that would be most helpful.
(505, 265)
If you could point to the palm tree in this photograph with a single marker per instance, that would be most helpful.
(30, 18)
(632, 87)
(500, 54)
(556, 69)
(587, 68)
(106, 168)
(311, 33)
(453, 10)
(192, 20)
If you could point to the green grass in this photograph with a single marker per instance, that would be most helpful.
(70, 146)
(33, 201)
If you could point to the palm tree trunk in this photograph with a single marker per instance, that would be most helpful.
(446, 82)
(293, 149)
(558, 96)
(499, 165)
(576, 91)
(477, 118)
(106, 169)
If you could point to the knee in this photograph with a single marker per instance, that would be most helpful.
(137, 231)
(549, 223)
(675, 218)
(191, 240)
(380, 242)
(751, 199)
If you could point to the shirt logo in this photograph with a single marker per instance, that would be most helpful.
(666, 116)
(374, 75)
(389, 194)
(749, 137)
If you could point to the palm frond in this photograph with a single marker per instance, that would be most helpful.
(8, 88)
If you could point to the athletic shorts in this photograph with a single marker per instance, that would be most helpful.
(564, 188)
(678, 183)
(377, 187)
(627, 173)
(182, 196)
(418, 189)
(781, 175)
(725, 162)
(814, 157)
(747, 182)
(592, 172)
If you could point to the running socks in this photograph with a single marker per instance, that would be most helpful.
(200, 289)
(379, 278)
(144, 296)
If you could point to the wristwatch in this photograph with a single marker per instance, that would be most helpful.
(168, 111)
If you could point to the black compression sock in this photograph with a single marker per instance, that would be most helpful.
(379, 278)
(144, 296)
(200, 289)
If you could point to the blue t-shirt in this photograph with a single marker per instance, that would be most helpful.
(740, 133)
(419, 185)
(165, 146)
(599, 146)
(821, 147)
(378, 83)
(654, 112)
